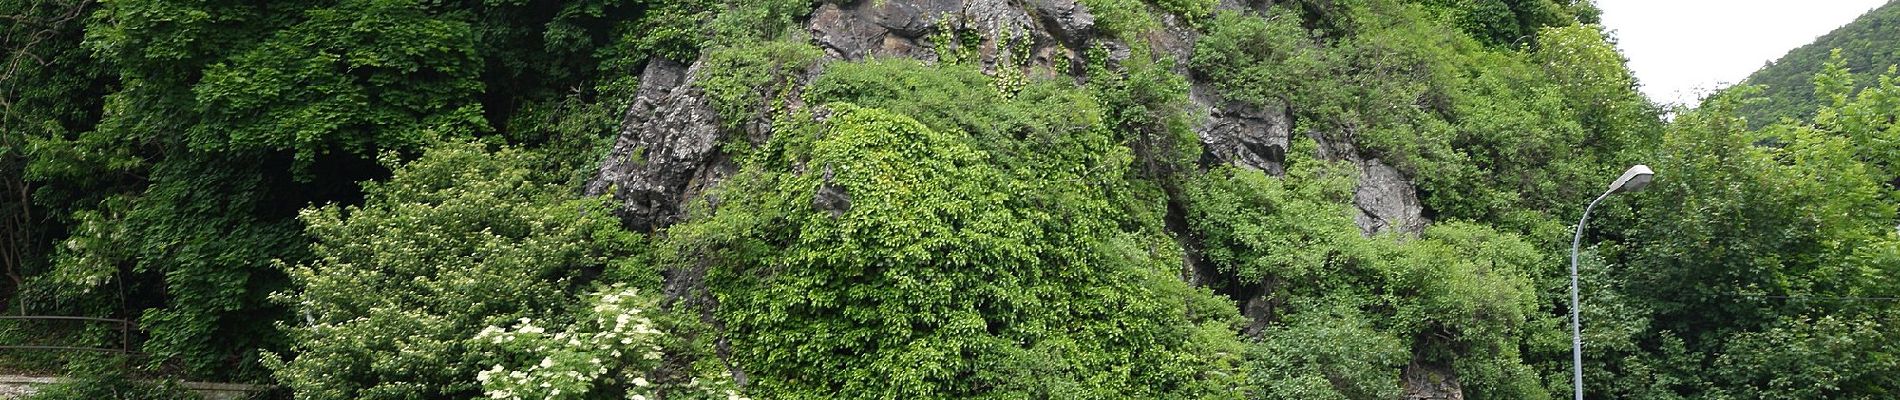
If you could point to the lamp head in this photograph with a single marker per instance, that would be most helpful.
(1633, 180)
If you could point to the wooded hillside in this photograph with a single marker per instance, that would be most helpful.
(1359, 199)
(1867, 47)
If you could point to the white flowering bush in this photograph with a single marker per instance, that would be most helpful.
(460, 239)
(610, 351)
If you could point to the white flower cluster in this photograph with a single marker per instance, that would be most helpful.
(615, 342)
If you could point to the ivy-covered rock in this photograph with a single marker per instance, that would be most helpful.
(947, 276)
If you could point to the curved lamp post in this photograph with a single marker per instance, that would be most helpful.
(1633, 180)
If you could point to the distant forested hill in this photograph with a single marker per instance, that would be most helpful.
(1869, 45)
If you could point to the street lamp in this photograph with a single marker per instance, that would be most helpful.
(1632, 180)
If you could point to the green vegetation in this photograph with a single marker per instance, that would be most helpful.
(948, 274)
(456, 240)
(1761, 269)
(381, 199)
(1490, 134)
(1868, 46)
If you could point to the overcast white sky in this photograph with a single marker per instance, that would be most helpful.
(1681, 49)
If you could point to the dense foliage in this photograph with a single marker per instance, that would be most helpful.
(1761, 271)
(168, 146)
(380, 199)
(945, 273)
(1490, 134)
(456, 240)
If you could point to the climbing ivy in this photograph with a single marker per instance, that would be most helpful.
(911, 265)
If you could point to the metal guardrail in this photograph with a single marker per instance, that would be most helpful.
(125, 333)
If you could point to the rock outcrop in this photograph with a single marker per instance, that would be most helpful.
(1241, 134)
(667, 152)
(1385, 198)
(1041, 34)
(667, 148)
(1430, 382)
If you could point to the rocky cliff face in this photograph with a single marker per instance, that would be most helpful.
(667, 147)
(667, 151)
(1052, 29)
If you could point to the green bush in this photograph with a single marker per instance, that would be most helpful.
(1328, 354)
(458, 240)
(942, 276)
(1266, 60)
(749, 80)
(1257, 228)
(1121, 18)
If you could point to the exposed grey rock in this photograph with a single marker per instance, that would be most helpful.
(1241, 134)
(998, 19)
(865, 29)
(1175, 40)
(1430, 382)
(1261, 308)
(830, 197)
(1386, 199)
(667, 148)
(667, 151)
(1233, 132)
(912, 19)
(1068, 20)
(666, 156)
(1043, 35)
